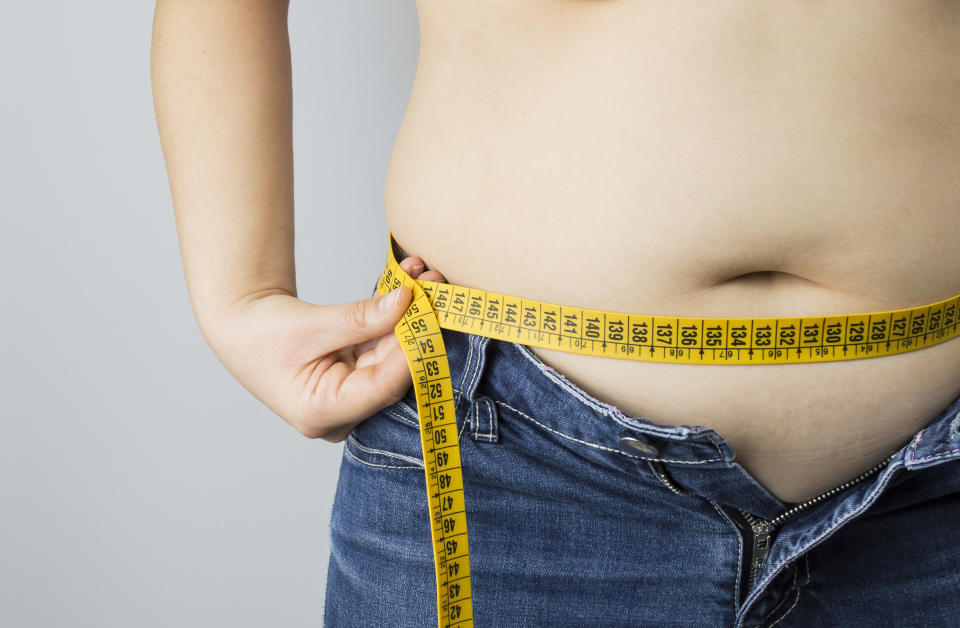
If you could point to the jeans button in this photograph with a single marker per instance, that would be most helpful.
(630, 444)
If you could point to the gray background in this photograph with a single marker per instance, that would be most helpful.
(141, 484)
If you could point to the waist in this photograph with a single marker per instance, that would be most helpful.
(799, 428)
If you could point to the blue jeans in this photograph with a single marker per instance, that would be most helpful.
(569, 528)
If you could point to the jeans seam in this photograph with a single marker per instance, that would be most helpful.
(598, 446)
(410, 410)
(562, 383)
(399, 416)
(868, 500)
(417, 423)
(935, 456)
(370, 450)
(490, 415)
(912, 452)
(594, 404)
(346, 448)
(477, 370)
(953, 427)
(488, 436)
(806, 561)
(466, 367)
(793, 587)
(736, 533)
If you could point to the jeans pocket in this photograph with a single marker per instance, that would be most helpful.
(389, 438)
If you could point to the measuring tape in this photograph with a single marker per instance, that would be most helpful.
(437, 305)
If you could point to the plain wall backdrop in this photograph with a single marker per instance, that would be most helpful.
(142, 485)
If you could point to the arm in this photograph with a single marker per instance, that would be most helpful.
(222, 93)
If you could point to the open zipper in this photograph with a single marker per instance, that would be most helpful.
(762, 530)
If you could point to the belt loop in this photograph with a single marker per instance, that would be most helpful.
(473, 365)
(483, 420)
(480, 410)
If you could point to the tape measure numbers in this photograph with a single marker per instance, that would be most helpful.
(618, 335)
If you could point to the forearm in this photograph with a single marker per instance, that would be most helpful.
(222, 93)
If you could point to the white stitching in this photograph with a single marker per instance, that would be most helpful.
(466, 366)
(621, 452)
(385, 466)
(417, 423)
(935, 456)
(736, 533)
(490, 409)
(399, 416)
(911, 456)
(477, 372)
(411, 411)
(869, 499)
(477, 368)
(806, 560)
(489, 434)
(561, 383)
(912, 452)
(606, 410)
(793, 587)
(356, 443)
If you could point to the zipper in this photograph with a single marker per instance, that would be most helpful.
(661, 473)
(763, 530)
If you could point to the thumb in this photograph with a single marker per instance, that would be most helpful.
(352, 323)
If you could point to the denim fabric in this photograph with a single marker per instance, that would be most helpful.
(568, 529)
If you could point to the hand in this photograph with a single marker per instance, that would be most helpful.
(322, 368)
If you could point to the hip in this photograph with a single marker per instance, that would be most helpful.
(569, 527)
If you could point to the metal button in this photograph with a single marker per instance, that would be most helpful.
(628, 443)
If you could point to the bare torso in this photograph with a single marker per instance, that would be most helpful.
(642, 156)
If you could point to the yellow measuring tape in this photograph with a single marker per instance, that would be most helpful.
(437, 305)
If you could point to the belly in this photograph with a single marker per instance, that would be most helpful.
(717, 162)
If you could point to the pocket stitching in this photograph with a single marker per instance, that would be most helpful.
(373, 464)
(352, 440)
(389, 410)
(411, 410)
(599, 446)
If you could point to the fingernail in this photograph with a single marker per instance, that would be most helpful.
(389, 300)
(417, 268)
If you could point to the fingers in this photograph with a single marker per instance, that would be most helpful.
(432, 275)
(347, 356)
(345, 324)
(415, 267)
(370, 371)
(373, 351)
(380, 374)
(373, 387)
(412, 265)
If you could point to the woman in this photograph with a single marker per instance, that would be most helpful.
(714, 160)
